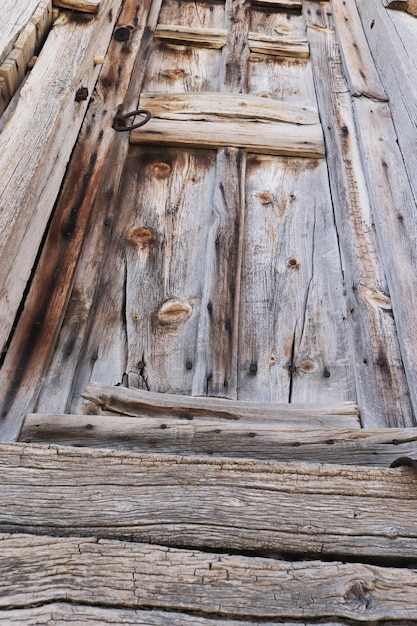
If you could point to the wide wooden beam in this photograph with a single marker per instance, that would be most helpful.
(98, 573)
(292, 508)
(135, 402)
(45, 130)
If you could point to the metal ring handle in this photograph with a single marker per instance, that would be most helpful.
(119, 122)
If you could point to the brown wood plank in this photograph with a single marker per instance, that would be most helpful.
(382, 389)
(88, 193)
(135, 402)
(239, 439)
(95, 572)
(241, 504)
(87, 6)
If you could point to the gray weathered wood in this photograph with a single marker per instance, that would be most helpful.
(89, 6)
(95, 572)
(380, 381)
(135, 402)
(14, 16)
(244, 438)
(73, 613)
(230, 504)
(46, 130)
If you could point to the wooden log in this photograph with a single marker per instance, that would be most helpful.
(88, 192)
(212, 106)
(88, 6)
(135, 402)
(277, 139)
(382, 389)
(242, 439)
(45, 130)
(66, 613)
(241, 504)
(99, 573)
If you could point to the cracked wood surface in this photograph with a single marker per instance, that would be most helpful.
(227, 438)
(134, 576)
(231, 504)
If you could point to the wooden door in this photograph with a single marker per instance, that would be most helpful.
(230, 246)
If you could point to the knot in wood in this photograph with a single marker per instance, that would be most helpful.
(161, 170)
(141, 236)
(174, 311)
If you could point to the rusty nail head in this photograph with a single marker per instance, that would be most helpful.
(81, 94)
(253, 368)
(292, 368)
(122, 33)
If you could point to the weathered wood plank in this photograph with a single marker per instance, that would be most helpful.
(241, 504)
(292, 346)
(361, 73)
(13, 19)
(135, 402)
(72, 613)
(95, 572)
(89, 6)
(278, 46)
(279, 4)
(244, 438)
(212, 106)
(382, 389)
(277, 139)
(85, 205)
(46, 130)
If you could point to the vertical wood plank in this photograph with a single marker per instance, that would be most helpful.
(377, 365)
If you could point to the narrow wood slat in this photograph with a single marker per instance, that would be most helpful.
(134, 402)
(186, 35)
(241, 439)
(14, 16)
(92, 572)
(88, 6)
(45, 129)
(294, 508)
(277, 139)
(278, 46)
(279, 4)
(212, 106)
(362, 76)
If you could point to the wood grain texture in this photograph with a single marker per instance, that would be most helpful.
(88, 6)
(133, 576)
(85, 205)
(380, 381)
(73, 613)
(26, 200)
(13, 19)
(239, 439)
(240, 504)
(277, 139)
(135, 402)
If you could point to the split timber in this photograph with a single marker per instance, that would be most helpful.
(208, 324)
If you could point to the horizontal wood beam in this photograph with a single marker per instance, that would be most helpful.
(98, 573)
(274, 139)
(241, 439)
(138, 403)
(227, 504)
(227, 106)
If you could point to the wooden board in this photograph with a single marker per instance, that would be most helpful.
(13, 19)
(85, 206)
(47, 131)
(380, 381)
(138, 403)
(89, 6)
(242, 439)
(93, 572)
(240, 504)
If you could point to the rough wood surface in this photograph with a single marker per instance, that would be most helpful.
(276, 139)
(89, 6)
(212, 106)
(133, 576)
(46, 130)
(85, 206)
(231, 504)
(243, 438)
(73, 613)
(13, 19)
(135, 402)
(381, 385)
